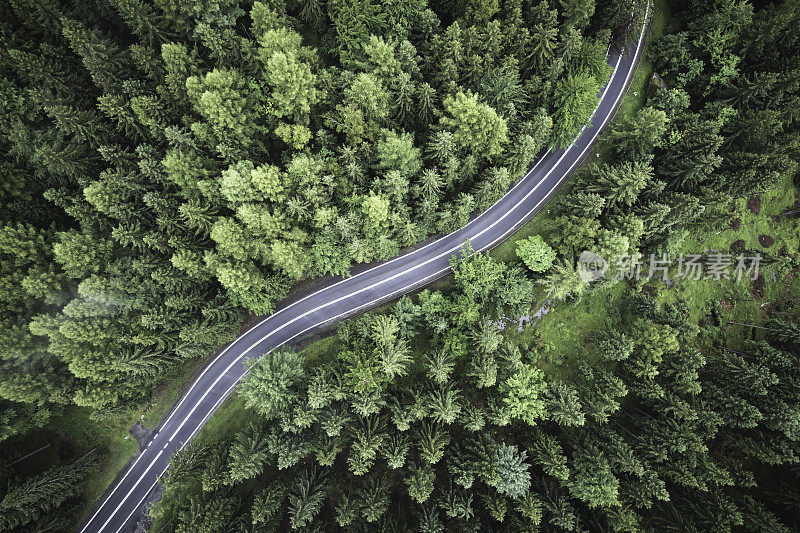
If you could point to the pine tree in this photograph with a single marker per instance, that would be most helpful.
(271, 385)
(368, 438)
(27, 502)
(495, 505)
(475, 126)
(483, 368)
(429, 521)
(420, 482)
(563, 406)
(440, 366)
(373, 499)
(207, 513)
(431, 442)
(622, 183)
(473, 418)
(784, 333)
(522, 395)
(306, 497)
(563, 281)
(267, 504)
(637, 136)
(247, 456)
(346, 511)
(394, 359)
(395, 450)
(512, 477)
(444, 405)
(574, 102)
(457, 503)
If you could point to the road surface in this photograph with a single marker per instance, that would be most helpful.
(121, 507)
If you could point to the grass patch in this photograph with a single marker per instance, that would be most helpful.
(734, 301)
(564, 330)
(166, 394)
(108, 437)
(637, 93)
(76, 431)
(231, 417)
(320, 349)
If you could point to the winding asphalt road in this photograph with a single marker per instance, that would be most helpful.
(121, 508)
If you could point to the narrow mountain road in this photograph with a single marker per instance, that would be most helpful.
(122, 505)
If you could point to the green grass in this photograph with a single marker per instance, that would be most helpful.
(166, 394)
(563, 331)
(320, 349)
(108, 437)
(114, 445)
(637, 93)
(565, 328)
(232, 415)
(229, 419)
(734, 300)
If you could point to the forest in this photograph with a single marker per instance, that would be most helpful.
(427, 419)
(172, 169)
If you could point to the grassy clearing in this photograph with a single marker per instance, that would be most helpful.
(75, 433)
(230, 418)
(320, 349)
(166, 394)
(563, 332)
(735, 301)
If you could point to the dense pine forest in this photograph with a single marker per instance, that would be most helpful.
(173, 168)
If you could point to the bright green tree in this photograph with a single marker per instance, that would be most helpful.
(535, 253)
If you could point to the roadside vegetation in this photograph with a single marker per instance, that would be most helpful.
(175, 169)
(633, 404)
(171, 169)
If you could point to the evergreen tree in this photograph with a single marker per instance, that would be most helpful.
(26, 503)
(272, 382)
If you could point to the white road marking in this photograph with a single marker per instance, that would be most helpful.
(277, 313)
(129, 493)
(422, 281)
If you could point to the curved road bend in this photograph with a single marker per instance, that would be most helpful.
(362, 291)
